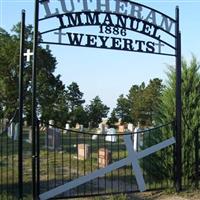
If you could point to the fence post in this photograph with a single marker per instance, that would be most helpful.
(21, 71)
(34, 102)
(197, 164)
(178, 171)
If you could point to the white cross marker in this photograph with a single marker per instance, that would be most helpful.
(28, 55)
(60, 34)
(132, 158)
(160, 45)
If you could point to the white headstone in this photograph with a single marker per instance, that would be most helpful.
(11, 130)
(112, 135)
(131, 127)
(101, 129)
(51, 123)
(29, 140)
(67, 126)
(81, 127)
(138, 138)
(25, 123)
(16, 131)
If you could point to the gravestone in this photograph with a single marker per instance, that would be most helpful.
(131, 127)
(11, 130)
(67, 126)
(101, 130)
(121, 129)
(83, 151)
(81, 127)
(112, 135)
(53, 137)
(16, 132)
(104, 157)
(29, 140)
(77, 127)
(138, 138)
(25, 124)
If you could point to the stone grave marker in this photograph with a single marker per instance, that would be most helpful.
(11, 130)
(67, 126)
(53, 137)
(121, 129)
(83, 151)
(100, 130)
(29, 140)
(104, 157)
(77, 126)
(138, 138)
(112, 135)
(81, 127)
(25, 124)
(131, 127)
(16, 132)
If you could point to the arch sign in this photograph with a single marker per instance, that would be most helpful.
(114, 22)
(116, 25)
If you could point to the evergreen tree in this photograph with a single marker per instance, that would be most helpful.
(50, 89)
(80, 116)
(190, 113)
(96, 111)
(9, 59)
(74, 96)
(122, 111)
(113, 118)
(75, 101)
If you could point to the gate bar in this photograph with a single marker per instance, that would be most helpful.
(21, 94)
(178, 167)
(34, 104)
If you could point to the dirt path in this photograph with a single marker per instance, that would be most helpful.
(163, 196)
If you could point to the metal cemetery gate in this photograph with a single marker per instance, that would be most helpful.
(77, 164)
(115, 20)
(107, 163)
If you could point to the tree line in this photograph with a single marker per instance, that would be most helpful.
(64, 103)
(149, 103)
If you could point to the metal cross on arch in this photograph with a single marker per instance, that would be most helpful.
(132, 158)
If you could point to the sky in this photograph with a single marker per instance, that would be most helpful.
(109, 73)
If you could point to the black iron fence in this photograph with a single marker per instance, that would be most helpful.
(190, 157)
(8, 161)
(67, 155)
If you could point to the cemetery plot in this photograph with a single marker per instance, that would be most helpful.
(80, 155)
(77, 155)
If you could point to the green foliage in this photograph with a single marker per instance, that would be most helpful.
(190, 110)
(144, 100)
(9, 58)
(96, 111)
(74, 96)
(113, 118)
(50, 89)
(141, 103)
(80, 116)
(123, 109)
